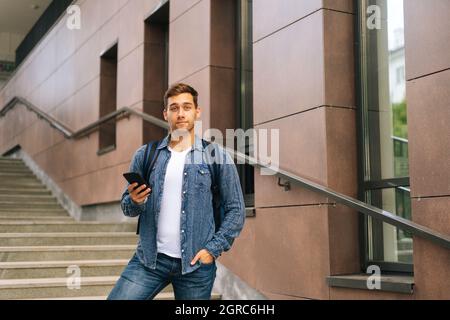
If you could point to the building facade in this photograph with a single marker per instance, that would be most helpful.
(329, 75)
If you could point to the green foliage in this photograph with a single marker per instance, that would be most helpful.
(400, 120)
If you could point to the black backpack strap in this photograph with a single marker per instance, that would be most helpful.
(215, 184)
(150, 156)
(150, 159)
(145, 164)
(213, 167)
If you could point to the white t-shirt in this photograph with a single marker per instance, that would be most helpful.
(168, 236)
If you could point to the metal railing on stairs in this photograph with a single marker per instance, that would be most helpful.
(68, 133)
(369, 210)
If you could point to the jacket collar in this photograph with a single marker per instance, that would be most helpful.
(198, 145)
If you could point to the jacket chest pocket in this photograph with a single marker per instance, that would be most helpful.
(203, 178)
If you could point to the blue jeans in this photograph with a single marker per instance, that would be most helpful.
(138, 282)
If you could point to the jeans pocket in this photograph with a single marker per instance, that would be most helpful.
(206, 265)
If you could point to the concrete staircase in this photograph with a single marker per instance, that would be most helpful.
(40, 244)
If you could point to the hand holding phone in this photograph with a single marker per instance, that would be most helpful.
(137, 189)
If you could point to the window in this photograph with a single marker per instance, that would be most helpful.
(383, 132)
(245, 90)
(108, 99)
(400, 75)
(156, 59)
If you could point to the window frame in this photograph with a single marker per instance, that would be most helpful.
(244, 110)
(362, 126)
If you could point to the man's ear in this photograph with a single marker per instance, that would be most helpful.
(198, 112)
(165, 114)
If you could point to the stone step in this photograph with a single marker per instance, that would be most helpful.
(16, 169)
(66, 238)
(44, 219)
(91, 288)
(73, 298)
(4, 159)
(15, 197)
(54, 287)
(17, 181)
(14, 213)
(12, 164)
(12, 161)
(12, 289)
(31, 210)
(25, 192)
(6, 175)
(60, 269)
(31, 200)
(14, 175)
(79, 252)
(23, 189)
(37, 198)
(28, 213)
(26, 182)
(43, 288)
(159, 296)
(30, 205)
(68, 226)
(24, 208)
(20, 185)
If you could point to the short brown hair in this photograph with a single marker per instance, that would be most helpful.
(179, 88)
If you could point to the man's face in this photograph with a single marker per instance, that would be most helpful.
(181, 112)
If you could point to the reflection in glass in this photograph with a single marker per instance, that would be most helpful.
(385, 94)
(394, 245)
(245, 91)
(385, 131)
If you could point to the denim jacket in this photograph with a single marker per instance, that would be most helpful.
(197, 227)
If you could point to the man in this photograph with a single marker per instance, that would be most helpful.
(178, 242)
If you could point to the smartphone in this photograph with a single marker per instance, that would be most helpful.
(133, 177)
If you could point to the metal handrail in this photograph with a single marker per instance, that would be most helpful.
(367, 209)
(362, 207)
(70, 134)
